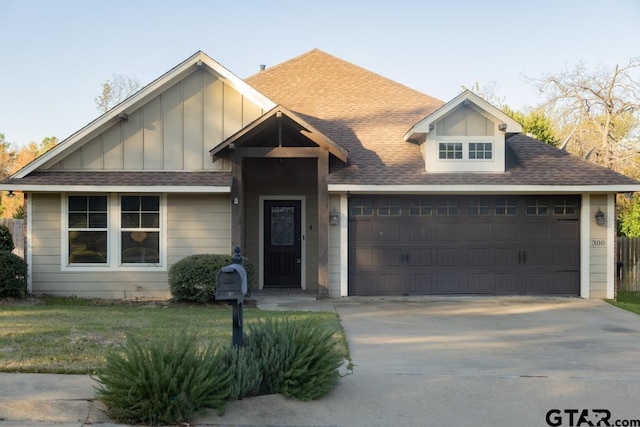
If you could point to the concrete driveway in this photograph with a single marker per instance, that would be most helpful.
(471, 361)
(511, 361)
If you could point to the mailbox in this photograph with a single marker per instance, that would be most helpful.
(231, 283)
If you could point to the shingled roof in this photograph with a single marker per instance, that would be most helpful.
(369, 115)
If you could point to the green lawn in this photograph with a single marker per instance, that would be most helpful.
(627, 300)
(71, 336)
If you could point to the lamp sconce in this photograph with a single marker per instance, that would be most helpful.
(502, 127)
(123, 116)
(432, 126)
(334, 218)
(600, 217)
(10, 194)
(236, 201)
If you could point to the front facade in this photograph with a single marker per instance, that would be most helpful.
(329, 177)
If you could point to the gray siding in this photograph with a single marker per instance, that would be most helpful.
(196, 224)
(174, 131)
(464, 121)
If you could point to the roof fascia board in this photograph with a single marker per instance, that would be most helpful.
(218, 189)
(140, 98)
(484, 189)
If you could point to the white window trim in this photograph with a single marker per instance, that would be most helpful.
(465, 149)
(113, 238)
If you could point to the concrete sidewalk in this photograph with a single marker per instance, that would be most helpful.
(420, 361)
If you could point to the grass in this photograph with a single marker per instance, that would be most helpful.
(71, 336)
(629, 301)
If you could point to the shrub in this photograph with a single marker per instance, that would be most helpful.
(313, 369)
(245, 369)
(13, 275)
(298, 358)
(162, 381)
(6, 239)
(194, 278)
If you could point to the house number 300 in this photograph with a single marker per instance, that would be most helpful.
(598, 243)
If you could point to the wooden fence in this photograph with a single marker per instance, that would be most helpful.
(16, 227)
(628, 258)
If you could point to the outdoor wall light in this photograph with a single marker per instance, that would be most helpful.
(334, 218)
(10, 194)
(502, 127)
(600, 217)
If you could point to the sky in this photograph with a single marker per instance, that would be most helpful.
(55, 55)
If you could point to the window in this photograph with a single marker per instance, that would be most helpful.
(537, 207)
(88, 230)
(480, 150)
(448, 207)
(389, 207)
(479, 207)
(105, 232)
(564, 207)
(140, 229)
(450, 150)
(507, 206)
(420, 207)
(361, 207)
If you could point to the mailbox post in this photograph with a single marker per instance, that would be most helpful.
(232, 287)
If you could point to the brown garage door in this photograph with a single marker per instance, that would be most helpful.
(464, 245)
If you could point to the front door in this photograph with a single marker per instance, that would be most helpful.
(282, 244)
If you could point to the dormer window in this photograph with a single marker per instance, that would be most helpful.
(480, 150)
(465, 151)
(450, 150)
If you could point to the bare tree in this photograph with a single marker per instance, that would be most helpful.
(115, 90)
(602, 106)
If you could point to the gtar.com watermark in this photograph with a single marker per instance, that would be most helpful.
(586, 417)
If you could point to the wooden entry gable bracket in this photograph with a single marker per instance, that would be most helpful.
(280, 152)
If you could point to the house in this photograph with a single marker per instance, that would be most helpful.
(331, 178)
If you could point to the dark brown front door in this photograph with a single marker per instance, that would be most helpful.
(282, 243)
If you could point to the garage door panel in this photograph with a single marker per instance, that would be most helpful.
(508, 231)
(363, 284)
(509, 283)
(566, 230)
(389, 257)
(538, 231)
(421, 282)
(507, 257)
(483, 256)
(389, 284)
(420, 232)
(448, 283)
(387, 233)
(447, 257)
(363, 231)
(365, 259)
(481, 283)
(447, 232)
(420, 257)
(479, 232)
(563, 256)
(537, 257)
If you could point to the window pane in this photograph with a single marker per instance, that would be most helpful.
(130, 220)
(282, 225)
(150, 220)
(362, 207)
(389, 207)
(98, 203)
(130, 203)
(87, 247)
(98, 220)
(77, 220)
(150, 203)
(140, 247)
(78, 203)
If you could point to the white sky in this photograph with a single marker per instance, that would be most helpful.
(55, 55)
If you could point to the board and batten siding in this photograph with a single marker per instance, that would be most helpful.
(196, 224)
(173, 132)
(598, 248)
